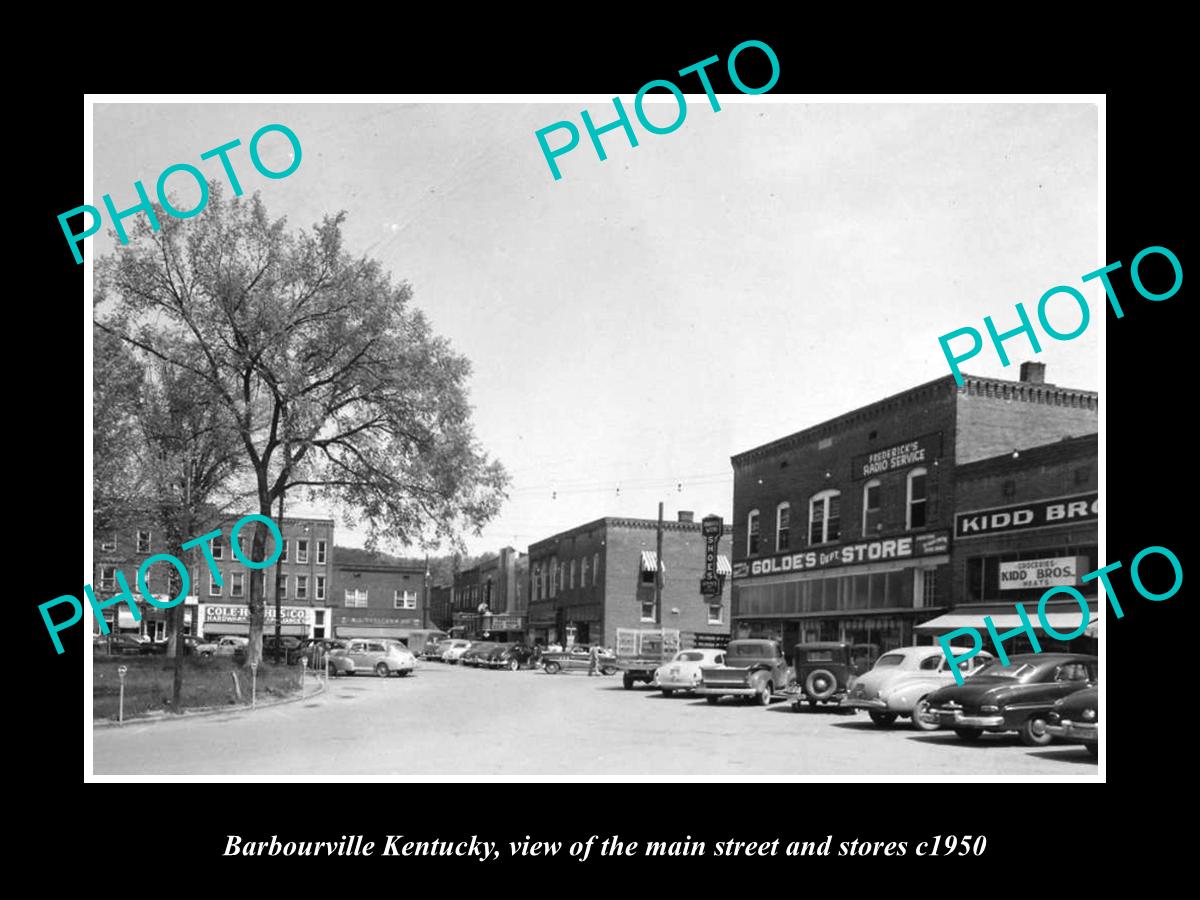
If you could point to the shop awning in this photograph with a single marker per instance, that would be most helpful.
(650, 561)
(723, 566)
(1064, 622)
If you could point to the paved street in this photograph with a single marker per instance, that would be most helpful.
(450, 722)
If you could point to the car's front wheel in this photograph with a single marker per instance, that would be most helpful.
(764, 694)
(552, 668)
(382, 670)
(667, 692)
(628, 681)
(513, 665)
(918, 716)
(882, 719)
(1034, 734)
(608, 670)
(968, 734)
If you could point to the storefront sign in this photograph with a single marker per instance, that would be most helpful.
(240, 615)
(701, 641)
(379, 621)
(924, 449)
(1038, 573)
(1024, 516)
(927, 544)
(712, 527)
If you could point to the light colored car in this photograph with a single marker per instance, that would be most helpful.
(454, 650)
(230, 644)
(370, 656)
(682, 673)
(901, 680)
(199, 646)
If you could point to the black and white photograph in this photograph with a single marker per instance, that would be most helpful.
(472, 439)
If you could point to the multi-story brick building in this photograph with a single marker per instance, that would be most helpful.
(1025, 521)
(492, 597)
(217, 603)
(587, 582)
(843, 531)
(378, 599)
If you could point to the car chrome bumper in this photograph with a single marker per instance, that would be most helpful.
(954, 717)
(678, 685)
(727, 691)
(864, 703)
(1076, 731)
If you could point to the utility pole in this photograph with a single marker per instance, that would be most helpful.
(278, 581)
(180, 611)
(425, 596)
(659, 566)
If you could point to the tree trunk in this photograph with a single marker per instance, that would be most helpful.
(257, 586)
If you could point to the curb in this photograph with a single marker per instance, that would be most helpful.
(204, 711)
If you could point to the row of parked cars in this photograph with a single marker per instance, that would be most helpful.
(1040, 696)
(479, 654)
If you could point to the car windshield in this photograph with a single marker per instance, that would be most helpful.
(889, 659)
(756, 649)
(995, 670)
(689, 656)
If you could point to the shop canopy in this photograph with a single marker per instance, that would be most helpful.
(650, 561)
(723, 567)
(1063, 621)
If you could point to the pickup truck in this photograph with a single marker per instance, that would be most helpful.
(753, 668)
(640, 651)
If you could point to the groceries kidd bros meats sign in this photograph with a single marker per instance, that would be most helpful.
(927, 544)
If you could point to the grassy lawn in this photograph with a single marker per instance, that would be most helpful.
(206, 682)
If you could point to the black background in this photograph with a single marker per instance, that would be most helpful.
(1040, 834)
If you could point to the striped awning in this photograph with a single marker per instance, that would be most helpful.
(723, 566)
(650, 561)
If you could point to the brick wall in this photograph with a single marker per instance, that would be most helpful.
(380, 583)
(997, 417)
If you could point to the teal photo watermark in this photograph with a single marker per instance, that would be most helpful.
(143, 204)
(124, 595)
(622, 120)
(1026, 627)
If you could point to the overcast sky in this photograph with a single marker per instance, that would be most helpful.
(638, 322)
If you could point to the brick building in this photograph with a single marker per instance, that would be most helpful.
(440, 614)
(377, 599)
(587, 582)
(1025, 521)
(491, 598)
(219, 605)
(843, 531)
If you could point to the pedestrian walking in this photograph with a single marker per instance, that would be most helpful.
(594, 661)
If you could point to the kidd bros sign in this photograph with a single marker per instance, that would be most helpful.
(1041, 514)
(869, 551)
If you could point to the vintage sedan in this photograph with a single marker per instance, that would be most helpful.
(1075, 719)
(198, 646)
(508, 656)
(902, 679)
(682, 673)
(434, 649)
(380, 657)
(1016, 697)
(454, 650)
(578, 657)
(474, 655)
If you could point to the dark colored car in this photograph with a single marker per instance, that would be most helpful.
(825, 670)
(508, 656)
(1075, 719)
(476, 652)
(122, 645)
(287, 649)
(315, 650)
(1017, 697)
(754, 668)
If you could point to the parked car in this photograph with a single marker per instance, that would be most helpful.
(314, 650)
(454, 650)
(578, 657)
(230, 644)
(287, 651)
(753, 668)
(512, 656)
(121, 645)
(901, 680)
(364, 656)
(682, 672)
(826, 670)
(435, 649)
(194, 645)
(1075, 719)
(642, 651)
(473, 655)
(1017, 697)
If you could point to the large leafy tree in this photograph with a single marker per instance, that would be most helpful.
(331, 379)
